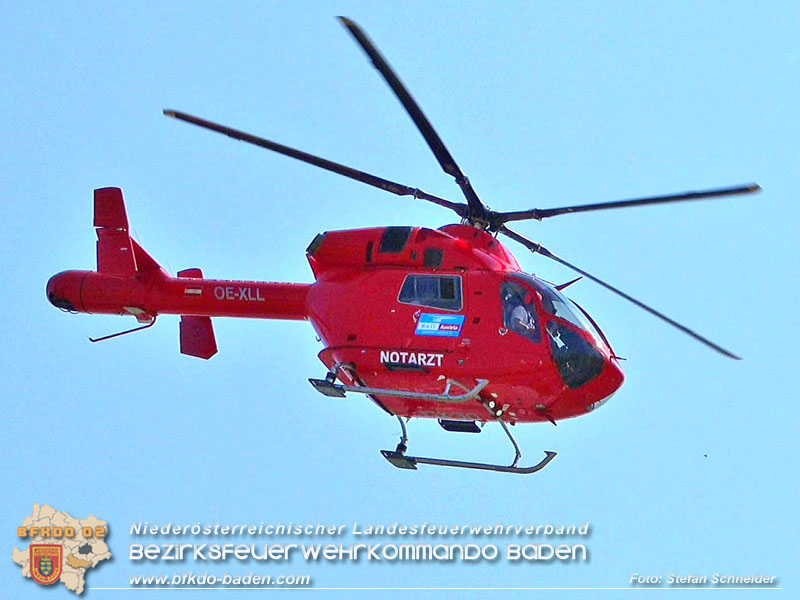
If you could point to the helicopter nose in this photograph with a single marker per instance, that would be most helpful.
(610, 380)
(614, 374)
(52, 286)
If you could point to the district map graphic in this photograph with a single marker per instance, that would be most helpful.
(62, 548)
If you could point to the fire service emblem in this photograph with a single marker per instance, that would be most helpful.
(46, 561)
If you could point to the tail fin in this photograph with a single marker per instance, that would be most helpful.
(117, 253)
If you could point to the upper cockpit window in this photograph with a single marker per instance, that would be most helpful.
(555, 303)
(593, 327)
(519, 311)
(433, 291)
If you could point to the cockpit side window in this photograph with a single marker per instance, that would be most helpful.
(433, 291)
(519, 311)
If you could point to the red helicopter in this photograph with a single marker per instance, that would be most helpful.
(427, 323)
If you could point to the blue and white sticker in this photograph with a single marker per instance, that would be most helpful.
(440, 325)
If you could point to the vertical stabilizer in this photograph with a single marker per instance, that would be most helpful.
(115, 255)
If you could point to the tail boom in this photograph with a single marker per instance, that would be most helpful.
(147, 295)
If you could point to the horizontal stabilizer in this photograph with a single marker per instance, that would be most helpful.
(197, 337)
(197, 333)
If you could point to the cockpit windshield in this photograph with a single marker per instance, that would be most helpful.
(577, 359)
(557, 304)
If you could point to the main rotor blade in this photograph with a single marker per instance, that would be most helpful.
(539, 214)
(378, 182)
(476, 208)
(539, 249)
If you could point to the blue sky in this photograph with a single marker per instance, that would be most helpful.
(542, 104)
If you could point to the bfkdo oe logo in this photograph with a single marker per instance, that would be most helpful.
(62, 547)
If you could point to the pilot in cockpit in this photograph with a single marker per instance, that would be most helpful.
(519, 305)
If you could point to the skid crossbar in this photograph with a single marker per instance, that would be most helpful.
(329, 388)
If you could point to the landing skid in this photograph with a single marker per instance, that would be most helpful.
(399, 459)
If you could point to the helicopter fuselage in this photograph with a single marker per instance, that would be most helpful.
(400, 308)
(409, 308)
